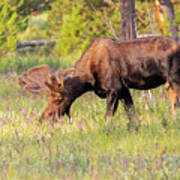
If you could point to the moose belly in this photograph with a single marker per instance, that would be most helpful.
(144, 83)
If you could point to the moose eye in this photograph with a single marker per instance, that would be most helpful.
(59, 101)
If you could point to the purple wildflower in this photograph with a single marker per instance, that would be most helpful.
(43, 138)
(12, 69)
(24, 112)
(79, 126)
(4, 162)
(7, 75)
(57, 164)
(75, 169)
(92, 172)
(34, 113)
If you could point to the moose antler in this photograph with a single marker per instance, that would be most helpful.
(56, 87)
(34, 79)
(39, 80)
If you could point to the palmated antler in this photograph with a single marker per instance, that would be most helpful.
(34, 79)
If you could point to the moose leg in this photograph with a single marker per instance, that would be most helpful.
(127, 101)
(173, 97)
(112, 104)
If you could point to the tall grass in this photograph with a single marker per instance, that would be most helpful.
(19, 62)
(88, 148)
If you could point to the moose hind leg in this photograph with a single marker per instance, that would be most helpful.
(173, 97)
(173, 84)
(127, 101)
(112, 104)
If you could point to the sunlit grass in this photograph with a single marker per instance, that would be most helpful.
(88, 148)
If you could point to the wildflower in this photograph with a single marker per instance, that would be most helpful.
(12, 69)
(164, 163)
(79, 126)
(34, 113)
(160, 152)
(75, 169)
(94, 163)
(7, 75)
(131, 164)
(43, 138)
(123, 159)
(24, 112)
(153, 164)
(57, 164)
(61, 119)
(92, 171)
(4, 162)
(61, 170)
(11, 172)
(95, 156)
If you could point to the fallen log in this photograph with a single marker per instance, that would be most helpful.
(30, 45)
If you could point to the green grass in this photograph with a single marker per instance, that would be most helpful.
(19, 62)
(86, 149)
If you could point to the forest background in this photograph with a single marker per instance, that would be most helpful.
(72, 24)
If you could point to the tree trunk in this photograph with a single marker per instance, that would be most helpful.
(166, 5)
(128, 24)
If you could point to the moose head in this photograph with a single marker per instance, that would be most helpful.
(40, 80)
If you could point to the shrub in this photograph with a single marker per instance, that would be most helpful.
(75, 24)
(10, 24)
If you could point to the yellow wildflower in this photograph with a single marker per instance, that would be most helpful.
(94, 163)
(11, 172)
(61, 170)
(131, 164)
(160, 152)
(164, 163)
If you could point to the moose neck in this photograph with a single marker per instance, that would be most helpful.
(76, 87)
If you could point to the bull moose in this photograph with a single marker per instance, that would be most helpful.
(110, 67)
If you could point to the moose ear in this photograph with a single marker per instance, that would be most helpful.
(34, 79)
(66, 73)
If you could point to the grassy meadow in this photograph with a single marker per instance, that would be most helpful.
(85, 149)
